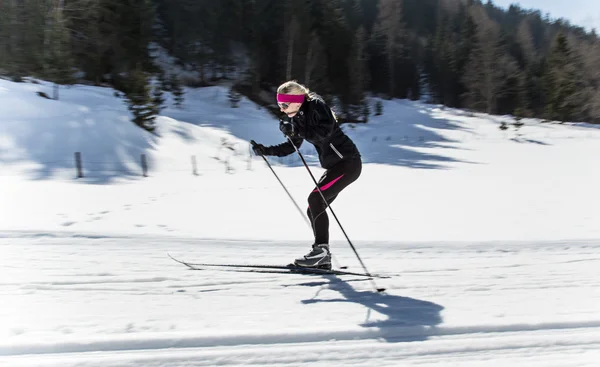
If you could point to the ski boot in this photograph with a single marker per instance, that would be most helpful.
(319, 257)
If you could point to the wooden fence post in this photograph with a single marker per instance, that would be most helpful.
(144, 166)
(194, 166)
(78, 165)
(250, 157)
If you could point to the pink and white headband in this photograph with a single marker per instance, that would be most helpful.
(290, 98)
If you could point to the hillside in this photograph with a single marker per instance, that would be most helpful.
(427, 167)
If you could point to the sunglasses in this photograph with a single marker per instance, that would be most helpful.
(283, 105)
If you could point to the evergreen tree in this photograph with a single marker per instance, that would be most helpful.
(6, 10)
(528, 59)
(366, 112)
(34, 22)
(490, 69)
(176, 90)
(8, 53)
(440, 61)
(141, 101)
(591, 58)
(112, 38)
(390, 31)
(135, 19)
(466, 45)
(378, 108)
(225, 32)
(292, 30)
(92, 26)
(22, 25)
(58, 61)
(158, 99)
(234, 98)
(331, 24)
(315, 69)
(563, 83)
(253, 32)
(357, 70)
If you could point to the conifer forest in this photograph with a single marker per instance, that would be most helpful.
(460, 53)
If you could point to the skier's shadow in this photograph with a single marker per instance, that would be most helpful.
(408, 319)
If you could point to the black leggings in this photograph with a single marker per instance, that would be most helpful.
(333, 181)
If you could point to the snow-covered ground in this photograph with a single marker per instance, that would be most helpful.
(490, 238)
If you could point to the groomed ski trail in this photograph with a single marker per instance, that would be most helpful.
(119, 301)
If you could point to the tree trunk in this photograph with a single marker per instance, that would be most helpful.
(290, 49)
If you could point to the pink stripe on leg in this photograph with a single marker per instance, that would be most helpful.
(325, 187)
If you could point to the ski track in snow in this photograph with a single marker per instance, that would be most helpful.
(120, 301)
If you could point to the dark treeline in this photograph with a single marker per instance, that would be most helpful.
(460, 53)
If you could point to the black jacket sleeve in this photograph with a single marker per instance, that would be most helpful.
(284, 149)
(320, 123)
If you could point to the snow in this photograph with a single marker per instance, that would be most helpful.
(490, 239)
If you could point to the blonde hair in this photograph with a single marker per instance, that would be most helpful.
(295, 88)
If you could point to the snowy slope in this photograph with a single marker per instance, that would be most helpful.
(490, 239)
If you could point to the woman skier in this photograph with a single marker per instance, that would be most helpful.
(312, 120)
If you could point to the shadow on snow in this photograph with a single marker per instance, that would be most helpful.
(408, 319)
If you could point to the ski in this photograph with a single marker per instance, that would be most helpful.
(283, 269)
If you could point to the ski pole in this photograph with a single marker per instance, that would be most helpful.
(282, 185)
(336, 219)
(294, 201)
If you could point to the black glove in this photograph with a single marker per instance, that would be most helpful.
(287, 128)
(258, 149)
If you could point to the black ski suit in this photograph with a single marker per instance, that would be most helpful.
(316, 124)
